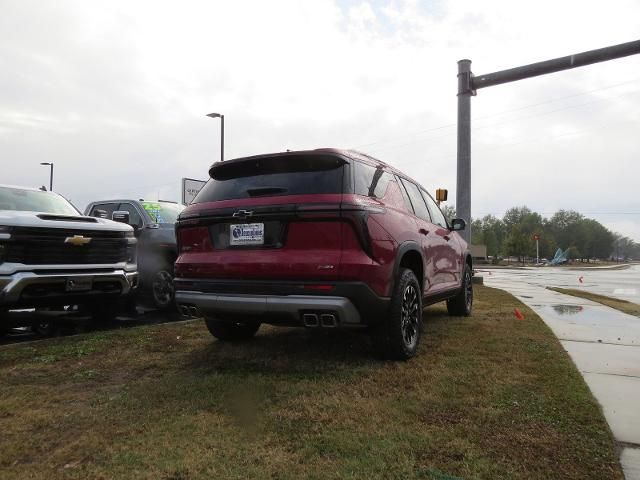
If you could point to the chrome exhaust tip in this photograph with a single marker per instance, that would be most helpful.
(310, 320)
(328, 320)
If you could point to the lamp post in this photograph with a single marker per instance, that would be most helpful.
(50, 174)
(216, 115)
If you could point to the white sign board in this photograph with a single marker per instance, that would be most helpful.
(190, 188)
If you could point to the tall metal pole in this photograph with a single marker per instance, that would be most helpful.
(468, 84)
(222, 138)
(51, 178)
(463, 184)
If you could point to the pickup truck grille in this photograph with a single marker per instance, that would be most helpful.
(46, 246)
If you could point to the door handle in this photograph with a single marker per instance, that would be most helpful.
(423, 231)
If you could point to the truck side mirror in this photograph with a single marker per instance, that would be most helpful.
(121, 216)
(458, 224)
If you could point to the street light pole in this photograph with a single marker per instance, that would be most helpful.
(216, 115)
(50, 174)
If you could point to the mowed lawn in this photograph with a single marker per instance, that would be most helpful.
(489, 396)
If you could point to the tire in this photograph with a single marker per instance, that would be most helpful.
(45, 328)
(231, 331)
(398, 336)
(161, 288)
(462, 303)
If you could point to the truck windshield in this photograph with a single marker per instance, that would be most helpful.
(35, 201)
(271, 176)
(163, 212)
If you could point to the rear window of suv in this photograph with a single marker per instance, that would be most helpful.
(273, 176)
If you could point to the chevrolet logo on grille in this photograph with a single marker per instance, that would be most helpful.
(77, 240)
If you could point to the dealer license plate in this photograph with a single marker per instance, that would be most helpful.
(246, 234)
(79, 284)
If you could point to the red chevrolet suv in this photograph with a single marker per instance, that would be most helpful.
(322, 239)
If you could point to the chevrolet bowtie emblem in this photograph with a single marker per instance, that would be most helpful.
(77, 240)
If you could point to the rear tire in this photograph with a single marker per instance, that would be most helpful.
(462, 303)
(231, 331)
(398, 336)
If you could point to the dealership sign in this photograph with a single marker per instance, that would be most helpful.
(190, 188)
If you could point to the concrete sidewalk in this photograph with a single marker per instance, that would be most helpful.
(605, 346)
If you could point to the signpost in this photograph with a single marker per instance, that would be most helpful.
(190, 188)
(536, 237)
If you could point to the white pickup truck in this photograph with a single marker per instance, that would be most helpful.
(51, 256)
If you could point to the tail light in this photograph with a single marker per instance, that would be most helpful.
(193, 239)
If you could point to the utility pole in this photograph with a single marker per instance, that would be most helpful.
(468, 84)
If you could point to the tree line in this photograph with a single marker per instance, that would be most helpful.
(512, 235)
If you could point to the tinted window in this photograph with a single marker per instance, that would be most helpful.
(34, 201)
(134, 215)
(371, 181)
(106, 209)
(436, 214)
(273, 176)
(416, 200)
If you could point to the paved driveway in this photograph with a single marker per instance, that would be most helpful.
(603, 343)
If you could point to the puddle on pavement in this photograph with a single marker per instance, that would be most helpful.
(568, 309)
(583, 314)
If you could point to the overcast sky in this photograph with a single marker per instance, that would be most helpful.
(115, 94)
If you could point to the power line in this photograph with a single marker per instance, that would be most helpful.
(524, 107)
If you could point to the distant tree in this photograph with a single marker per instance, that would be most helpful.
(518, 243)
(449, 212)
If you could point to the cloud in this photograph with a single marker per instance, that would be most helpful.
(115, 94)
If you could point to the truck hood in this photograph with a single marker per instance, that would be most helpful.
(13, 218)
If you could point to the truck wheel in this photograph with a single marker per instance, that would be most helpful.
(462, 303)
(45, 328)
(162, 292)
(231, 331)
(398, 336)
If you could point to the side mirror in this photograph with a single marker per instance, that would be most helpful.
(100, 213)
(458, 224)
(121, 216)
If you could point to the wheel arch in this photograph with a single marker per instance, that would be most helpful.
(409, 255)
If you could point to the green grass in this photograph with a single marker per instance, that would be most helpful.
(488, 396)
(622, 305)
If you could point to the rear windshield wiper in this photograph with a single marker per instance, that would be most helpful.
(258, 191)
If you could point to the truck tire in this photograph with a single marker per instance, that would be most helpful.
(462, 303)
(231, 331)
(398, 336)
(161, 288)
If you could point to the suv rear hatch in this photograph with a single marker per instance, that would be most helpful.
(267, 217)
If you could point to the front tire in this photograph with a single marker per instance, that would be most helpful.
(162, 292)
(398, 336)
(462, 303)
(231, 331)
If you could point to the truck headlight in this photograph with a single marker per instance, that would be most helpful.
(132, 244)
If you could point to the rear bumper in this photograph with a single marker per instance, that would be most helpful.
(352, 304)
(33, 289)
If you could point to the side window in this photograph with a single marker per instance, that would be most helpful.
(371, 181)
(405, 196)
(416, 200)
(436, 214)
(103, 210)
(134, 216)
